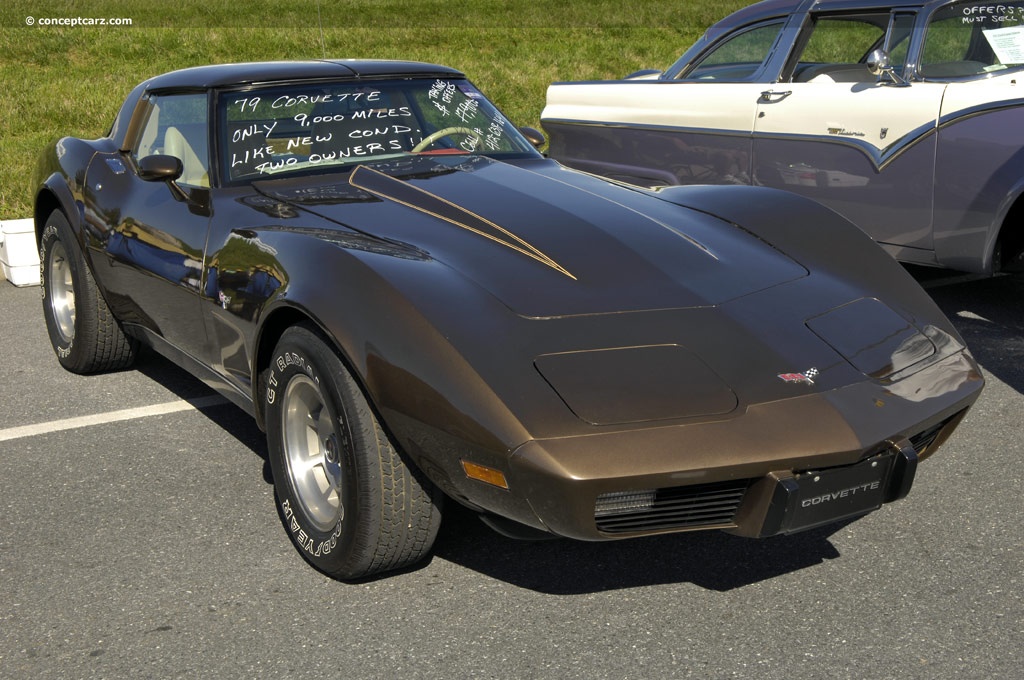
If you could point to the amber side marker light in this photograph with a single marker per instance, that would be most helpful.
(484, 474)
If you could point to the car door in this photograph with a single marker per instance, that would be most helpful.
(689, 127)
(863, 145)
(716, 102)
(148, 237)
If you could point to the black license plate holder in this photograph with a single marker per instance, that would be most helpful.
(816, 498)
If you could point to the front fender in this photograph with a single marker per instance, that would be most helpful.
(393, 318)
(60, 182)
(818, 238)
(56, 193)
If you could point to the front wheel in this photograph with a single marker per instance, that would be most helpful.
(84, 333)
(349, 502)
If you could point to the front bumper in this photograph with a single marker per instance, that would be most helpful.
(747, 474)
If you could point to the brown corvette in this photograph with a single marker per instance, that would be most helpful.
(414, 303)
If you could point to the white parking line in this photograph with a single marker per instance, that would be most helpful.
(111, 417)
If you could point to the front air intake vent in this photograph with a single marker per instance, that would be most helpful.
(923, 440)
(702, 505)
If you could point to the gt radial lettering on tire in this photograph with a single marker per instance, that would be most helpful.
(348, 500)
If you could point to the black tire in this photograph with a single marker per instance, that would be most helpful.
(349, 502)
(84, 333)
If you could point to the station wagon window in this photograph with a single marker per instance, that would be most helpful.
(739, 57)
(898, 41)
(973, 38)
(177, 126)
(837, 47)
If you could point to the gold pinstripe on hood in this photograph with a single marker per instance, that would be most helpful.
(385, 186)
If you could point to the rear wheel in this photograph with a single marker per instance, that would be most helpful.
(349, 502)
(84, 333)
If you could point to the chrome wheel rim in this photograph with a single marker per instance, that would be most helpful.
(62, 291)
(312, 452)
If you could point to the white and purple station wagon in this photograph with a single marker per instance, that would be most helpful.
(908, 119)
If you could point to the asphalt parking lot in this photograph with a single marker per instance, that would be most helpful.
(139, 539)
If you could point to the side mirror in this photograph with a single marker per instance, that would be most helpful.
(163, 169)
(879, 65)
(160, 168)
(534, 136)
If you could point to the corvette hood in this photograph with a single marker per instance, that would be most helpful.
(544, 246)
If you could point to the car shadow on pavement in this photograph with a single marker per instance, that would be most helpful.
(230, 418)
(709, 559)
(989, 313)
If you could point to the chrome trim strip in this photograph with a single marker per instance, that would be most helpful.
(644, 126)
(880, 159)
(978, 110)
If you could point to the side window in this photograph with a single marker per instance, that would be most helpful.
(836, 49)
(973, 38)
(738, 57)
(898, 40)
(177, 126)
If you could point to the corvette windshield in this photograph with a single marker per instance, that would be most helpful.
(319, 126)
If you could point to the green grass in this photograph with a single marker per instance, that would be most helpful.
(70, 80)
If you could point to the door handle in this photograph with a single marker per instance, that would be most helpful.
(774, 96)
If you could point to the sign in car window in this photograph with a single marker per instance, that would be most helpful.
(267, 132)
(974, 38)
(1007, 43)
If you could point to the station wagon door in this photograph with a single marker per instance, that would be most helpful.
(863, 145)
(693, 129)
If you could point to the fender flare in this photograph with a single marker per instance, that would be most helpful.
(56, 194)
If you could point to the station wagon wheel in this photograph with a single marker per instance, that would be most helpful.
(349, 501)
(84, 333)
(444, 132)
